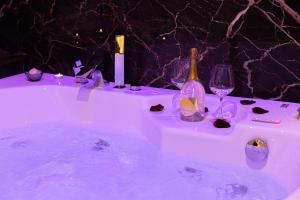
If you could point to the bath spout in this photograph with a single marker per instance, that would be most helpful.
(97, 79)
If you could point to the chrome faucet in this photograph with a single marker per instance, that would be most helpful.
(76, 69)
(97, 78)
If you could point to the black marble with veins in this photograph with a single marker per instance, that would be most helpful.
(261, 38)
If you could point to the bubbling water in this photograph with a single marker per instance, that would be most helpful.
(71, 162)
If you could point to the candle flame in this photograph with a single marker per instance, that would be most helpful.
(59, 75)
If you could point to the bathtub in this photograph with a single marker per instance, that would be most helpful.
(123, 111)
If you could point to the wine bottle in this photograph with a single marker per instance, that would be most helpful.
(192, 94)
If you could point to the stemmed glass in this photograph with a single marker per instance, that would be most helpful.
(221, 83)
(179, 74)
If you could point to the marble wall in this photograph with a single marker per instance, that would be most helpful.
(261, 39)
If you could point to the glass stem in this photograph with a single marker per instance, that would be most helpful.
(221, 109)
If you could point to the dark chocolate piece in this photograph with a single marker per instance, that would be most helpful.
(247, 102)
(157, 108)
(206, 109)
(259, 110)
(221, 123)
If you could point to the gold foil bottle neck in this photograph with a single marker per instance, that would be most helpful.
(193, 74)
(120, 44)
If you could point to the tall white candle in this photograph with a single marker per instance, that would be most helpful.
(119, 69)
(119, 60)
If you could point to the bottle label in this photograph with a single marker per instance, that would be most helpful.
(188, 106)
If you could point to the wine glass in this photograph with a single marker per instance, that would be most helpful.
(179, 75)
(221, 83)
(180, 70)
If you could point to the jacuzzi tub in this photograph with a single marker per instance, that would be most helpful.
(25, 104)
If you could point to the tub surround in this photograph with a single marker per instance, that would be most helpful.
(260, 37)
(286, 116)
(127, 112)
